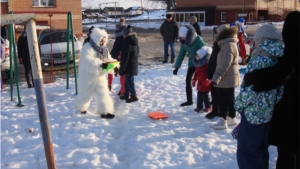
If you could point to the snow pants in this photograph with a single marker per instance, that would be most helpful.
(252, 145)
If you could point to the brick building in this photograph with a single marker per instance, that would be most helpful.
(42, 9)
(215, 12)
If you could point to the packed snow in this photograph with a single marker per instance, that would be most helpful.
(131, 140)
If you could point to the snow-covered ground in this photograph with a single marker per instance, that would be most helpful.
(132, 140)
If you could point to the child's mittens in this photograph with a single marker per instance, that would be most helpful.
(194, 83)
(116, 71)
(207, 82)
(104, 65)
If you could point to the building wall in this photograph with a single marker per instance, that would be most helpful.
(4, 8)
(223, 4)
(57, 20)
(232, 16)
(231, 7)
(276, 9)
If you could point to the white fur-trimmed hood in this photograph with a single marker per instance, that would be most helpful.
(97, 34)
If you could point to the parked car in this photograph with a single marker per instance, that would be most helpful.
(59, 49)
(5, 62)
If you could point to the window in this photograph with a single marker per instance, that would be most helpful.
(201, 17)
(223, 16)
(57, 37)
(180, 17)
(43, 3)
(187, 17)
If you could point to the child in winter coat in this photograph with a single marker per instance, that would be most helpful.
(129, 63)
(115, 51)
(203, 85)
(256, 108)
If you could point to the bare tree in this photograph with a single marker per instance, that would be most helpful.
(150, 6)
(171, 4)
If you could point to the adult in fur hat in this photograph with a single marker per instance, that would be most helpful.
(284, 127)
(169, 32)
(226, 76)
(92, 80)
(190, 42)
(129, 63)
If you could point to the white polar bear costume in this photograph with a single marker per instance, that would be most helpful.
(92, 80)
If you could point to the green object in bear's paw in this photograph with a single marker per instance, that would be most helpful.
(111, 66)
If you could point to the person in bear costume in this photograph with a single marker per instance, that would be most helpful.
(92, 79)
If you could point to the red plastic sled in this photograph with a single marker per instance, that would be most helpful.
(157, 115)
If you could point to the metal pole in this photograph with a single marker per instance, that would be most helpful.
(40, 92)
(142, 6)
(99, 9)
(15, 18)
(73, 51)
(68, 51)
(15, 65)
(11, 77)
(115, 14)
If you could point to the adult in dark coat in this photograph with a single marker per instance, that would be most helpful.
(129, 63)
(115, 52)
(211, 68)
(118, 39)
(4, 32)
(24, 57)
(193, 21)
(169, 31)
(285, 129)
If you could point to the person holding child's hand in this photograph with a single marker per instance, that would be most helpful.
(203, 84)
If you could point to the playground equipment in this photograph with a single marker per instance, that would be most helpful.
(29, 20)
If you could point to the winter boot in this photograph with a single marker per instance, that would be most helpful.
(172, 61)
(221, 124)
(189, 97)
(231, 121)
(206, 110)
(124, 97)
(132, 99)
(83, 112)
(198, 110)
(213, 113)
(109, 88)
(165, 61)
(107, 116)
